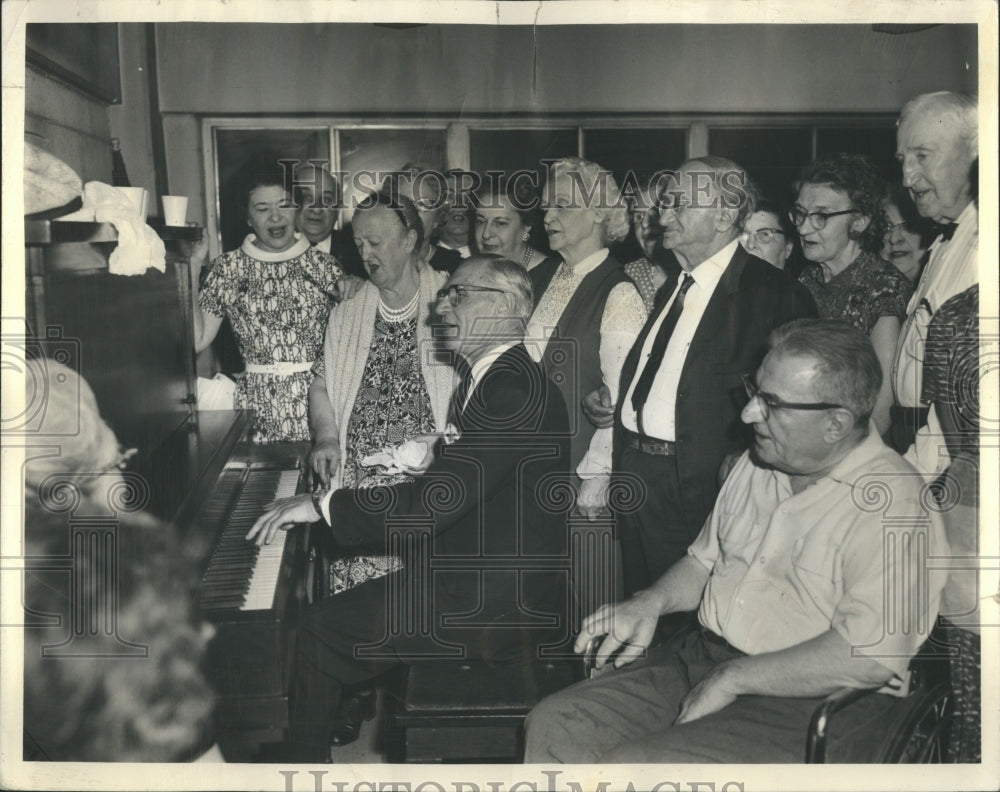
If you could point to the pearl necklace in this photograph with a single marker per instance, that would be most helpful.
(399, 314)
(527, 256)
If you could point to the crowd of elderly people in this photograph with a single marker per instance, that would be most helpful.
(748, 376)
(755, 579)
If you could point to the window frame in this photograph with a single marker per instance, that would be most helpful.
(457, 152)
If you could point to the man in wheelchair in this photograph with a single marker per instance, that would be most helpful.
(810, 575)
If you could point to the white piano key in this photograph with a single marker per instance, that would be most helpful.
(267, 567)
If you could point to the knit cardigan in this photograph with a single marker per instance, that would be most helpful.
(349, 334)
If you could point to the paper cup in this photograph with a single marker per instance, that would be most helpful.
(138, 196)
(175, 209)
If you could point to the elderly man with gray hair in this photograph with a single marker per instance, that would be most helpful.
(797, 588)
(937, 371)
(937, 144)
(483, 580)
(677, 415)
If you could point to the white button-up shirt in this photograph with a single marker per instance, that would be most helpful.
(851, 552)
(659, 412)
(951, 269)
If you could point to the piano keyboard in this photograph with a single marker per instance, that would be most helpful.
(240, 575)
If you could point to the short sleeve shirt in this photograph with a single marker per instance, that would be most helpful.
(787, 567)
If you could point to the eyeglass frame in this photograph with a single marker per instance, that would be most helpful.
(120, 462)
(771, 402)
(813, 217)
(904, 225)
(447, 291)
(745, 235)
(672, 201)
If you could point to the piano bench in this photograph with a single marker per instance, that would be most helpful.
(471, 711)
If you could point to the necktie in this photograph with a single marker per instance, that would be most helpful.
(464, 371)
(656, 352)
(948, 231)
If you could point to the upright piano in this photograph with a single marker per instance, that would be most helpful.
(132, 339)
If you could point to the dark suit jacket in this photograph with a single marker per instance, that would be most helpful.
(751, 299)
(486, 497)
(445, 259)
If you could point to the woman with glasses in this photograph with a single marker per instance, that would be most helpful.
(909, 234)
(768, 234)
(841, 225)
(587, 301)
(141, 697)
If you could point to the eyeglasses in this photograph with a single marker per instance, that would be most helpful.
(894, 227)
(798, 217)
(459, 292)
(762, 236)
(120, 462)
(672, 201)
(768, 401)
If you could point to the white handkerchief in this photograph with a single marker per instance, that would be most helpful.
(407, 455)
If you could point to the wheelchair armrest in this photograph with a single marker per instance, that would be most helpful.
(836, 701)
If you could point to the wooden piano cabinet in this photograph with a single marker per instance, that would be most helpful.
(132, 339)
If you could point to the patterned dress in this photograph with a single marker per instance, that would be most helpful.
(392, 405)
(642, 271)
(861, 294)
(278, 305)
(951, 383)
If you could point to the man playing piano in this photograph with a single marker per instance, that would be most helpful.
(461, 526)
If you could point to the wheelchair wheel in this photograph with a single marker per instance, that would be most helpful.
(922, 734)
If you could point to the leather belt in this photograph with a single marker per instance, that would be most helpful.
(649, 445)
(712, 637)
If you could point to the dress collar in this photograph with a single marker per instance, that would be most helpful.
(300, 246)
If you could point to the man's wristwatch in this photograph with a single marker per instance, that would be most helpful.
(317, 499)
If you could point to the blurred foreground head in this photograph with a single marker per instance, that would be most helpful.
(113, 644)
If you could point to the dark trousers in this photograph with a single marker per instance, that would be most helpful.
(627, 715)
(369, 629)
(658, 533)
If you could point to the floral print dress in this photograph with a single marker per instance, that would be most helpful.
(278, 304)
(392, 406)
(861, 294)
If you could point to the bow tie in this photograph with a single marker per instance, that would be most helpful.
(947, 230)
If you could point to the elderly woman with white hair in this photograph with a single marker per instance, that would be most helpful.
(587, 302)
(137, 692)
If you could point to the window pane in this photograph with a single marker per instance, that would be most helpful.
(772, 157)
(876, 143)
(643, 151)
(366, 152)
(509, 150)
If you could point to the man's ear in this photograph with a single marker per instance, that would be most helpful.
(506, 305)
(840, 421)
(726, 218)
